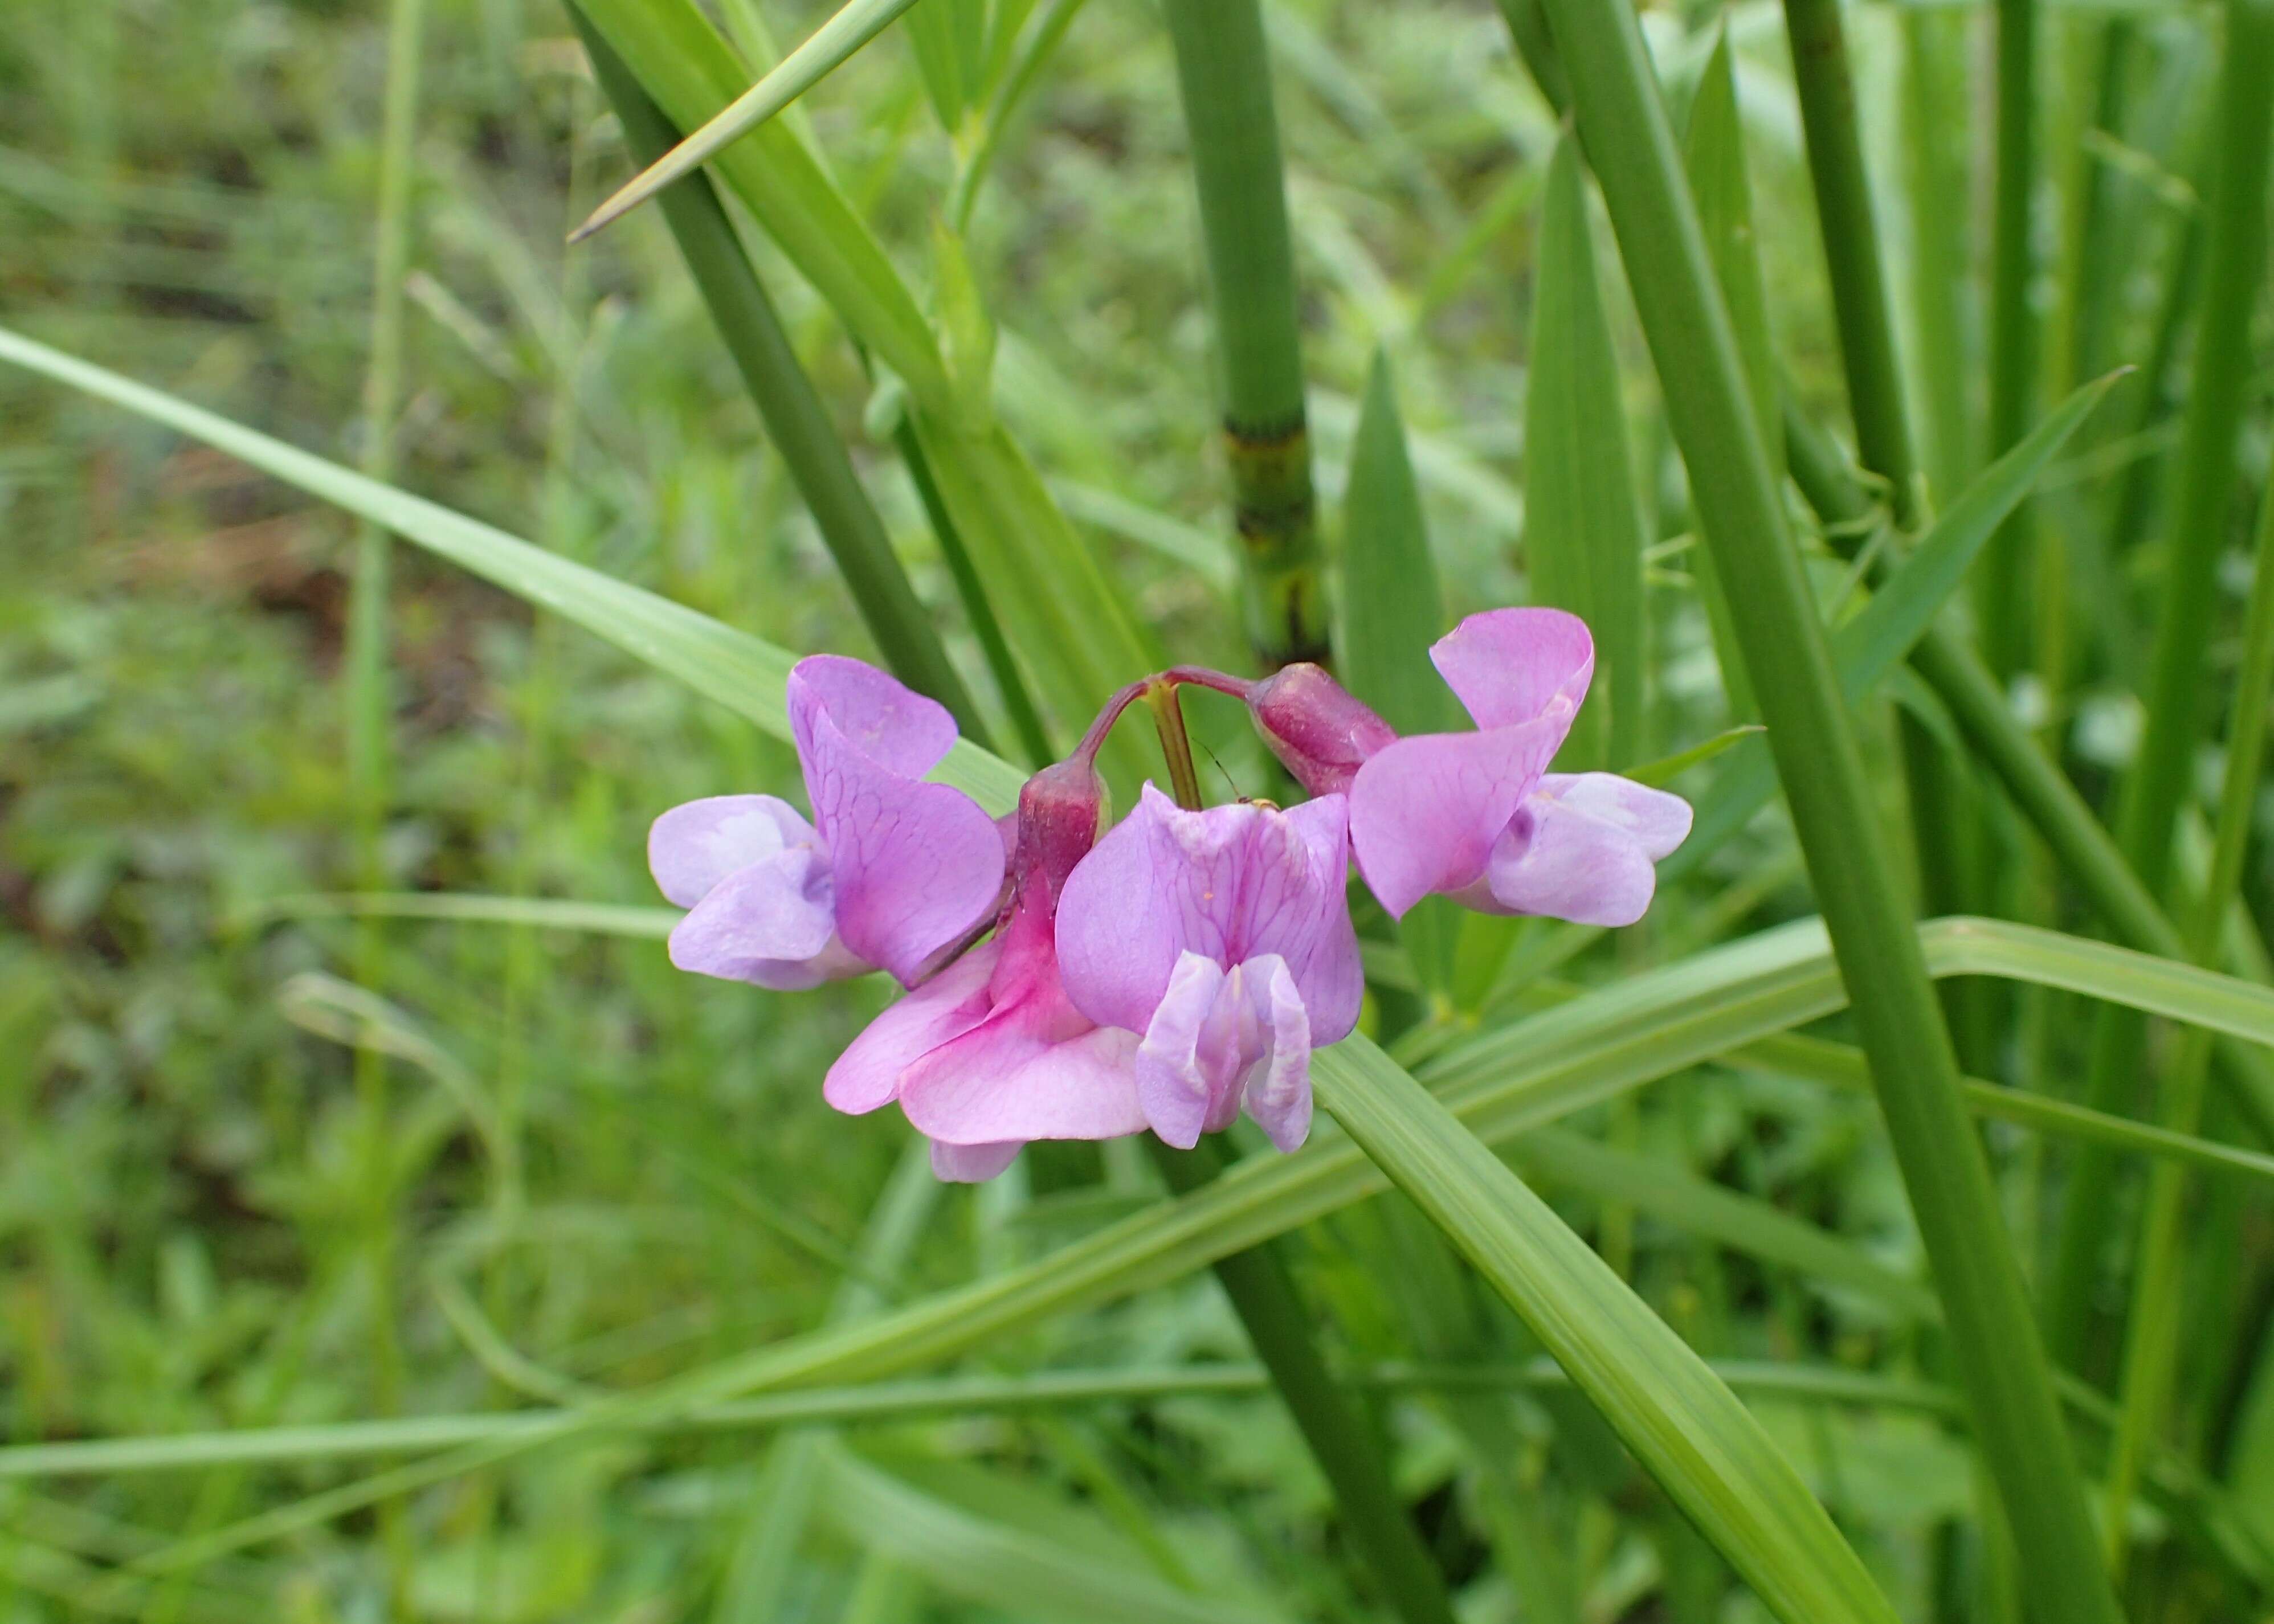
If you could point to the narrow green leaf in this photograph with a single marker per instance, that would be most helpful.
(825, 50)
(1683, 1424)
(1023, 1572)
(1993, 1340)
(1583, 529)
(1868, 647)
(1669, 768)
(1714, 155)
(740, 671)
(690, 72)
(795, 421)
(1391, 611)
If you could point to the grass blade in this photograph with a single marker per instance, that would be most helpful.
(2007, 1380)
(1900, 615)
(2153, 1329)
(1583, 530)
(1391, 611)
(825, 50)
(2157, 782)
(792, 411)
(2013, 326)
(1686, 1428)
(1714, 153)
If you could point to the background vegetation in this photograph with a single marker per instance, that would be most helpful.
(275, 1160)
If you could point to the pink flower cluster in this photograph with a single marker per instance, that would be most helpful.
(1180, 967)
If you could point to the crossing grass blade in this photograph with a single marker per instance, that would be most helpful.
(1680, 1421)
(795, 421)
(1582, 529)
(823, 51)
(1901, 614)
(1072, 632)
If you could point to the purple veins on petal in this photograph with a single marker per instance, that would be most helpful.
(917, 867)
(1224, 937)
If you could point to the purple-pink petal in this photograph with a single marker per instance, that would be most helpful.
(1230, 883)
(878, 715)
(867, 1073)
(917, 866)
(1425, 813)
(971, 1164)
(1279, 1082)
(1510, 666)
(1034, 1067)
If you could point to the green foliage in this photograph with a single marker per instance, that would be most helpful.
(386, 1232)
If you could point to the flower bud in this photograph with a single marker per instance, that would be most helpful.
(1318, 730)
(1061, 813)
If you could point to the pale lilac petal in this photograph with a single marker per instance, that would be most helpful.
(886, 721)
(1512, 665)
(1582, 848)
(1184, 1062)
(971, 1164)
(692, 848)
(867, 1073)
(1118, 934)
(769, 924)
(1657, 821)
(1278, 1089)
(1425, 812)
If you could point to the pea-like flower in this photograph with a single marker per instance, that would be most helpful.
(1224, 937)
(892, 874)
(990, 1053)
(1477, 815)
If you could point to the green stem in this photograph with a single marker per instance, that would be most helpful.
(794, 418)
(1852, 254)
(369, 715)
(2152, 1329)
(1943, 837)
(1223, 71)
(2012, 337)
(2098, 255)
(1026, 721)
(1262, 1290)
(1936, 170)
(1997, 1353)
(1341, 1435)
(2148, 807)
